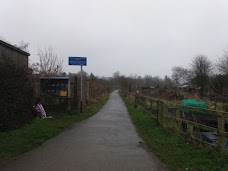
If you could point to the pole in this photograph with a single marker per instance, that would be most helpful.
(81, 91)
(76, 93)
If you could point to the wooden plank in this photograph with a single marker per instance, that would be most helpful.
(208, 128)
(207, 111)
(221, 138)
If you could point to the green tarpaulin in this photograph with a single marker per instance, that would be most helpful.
(193, 103)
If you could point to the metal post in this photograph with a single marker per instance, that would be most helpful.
(81, 90)
(79, 61)
(76, 93)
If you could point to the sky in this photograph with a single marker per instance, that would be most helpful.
(130, 36)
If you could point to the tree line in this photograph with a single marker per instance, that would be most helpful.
(202, 73)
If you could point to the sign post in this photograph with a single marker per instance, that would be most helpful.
(81, 91)
(82, 61)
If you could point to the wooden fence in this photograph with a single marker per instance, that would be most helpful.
(200, 126)
(59, 103)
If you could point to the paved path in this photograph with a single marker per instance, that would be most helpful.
(105, 142)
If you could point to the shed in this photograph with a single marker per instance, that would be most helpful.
(58, 93)
(56, 87)
(13, 53)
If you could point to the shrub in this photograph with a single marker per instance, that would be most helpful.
(16, 95)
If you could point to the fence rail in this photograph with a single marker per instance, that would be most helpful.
(201, 126)
(59, 103)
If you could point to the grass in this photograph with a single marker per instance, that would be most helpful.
(32, 135)
(176, 153)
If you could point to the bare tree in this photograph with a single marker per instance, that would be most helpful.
(123, 82)
(201, 72)
(2, 38)
(168, 82)
(222, 64)
(50, 64)
(23, 46)
(148, 80)
(180, 75)
(116, 78)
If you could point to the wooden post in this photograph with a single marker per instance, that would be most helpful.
(90, 88)
(160, 112)
(190, 129)
(135, 101)
(178, 120)
(164, 116)
(157, 103)
(69, 105)
(87, 92)
(221, 130)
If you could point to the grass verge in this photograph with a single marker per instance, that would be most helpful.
(13, 143)
(176, 153)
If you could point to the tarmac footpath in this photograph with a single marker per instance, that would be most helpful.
(106, 141)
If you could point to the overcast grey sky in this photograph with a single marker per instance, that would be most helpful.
(131, 36)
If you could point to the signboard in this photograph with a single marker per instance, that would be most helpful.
(82, 62)
(78, 61)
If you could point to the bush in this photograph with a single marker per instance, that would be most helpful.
(16, 95)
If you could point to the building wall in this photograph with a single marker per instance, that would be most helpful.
(17, 57)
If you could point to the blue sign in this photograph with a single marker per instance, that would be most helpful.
(78, 61)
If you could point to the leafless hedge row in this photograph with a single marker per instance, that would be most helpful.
(17, 95)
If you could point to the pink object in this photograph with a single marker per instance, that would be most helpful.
(40, 110)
